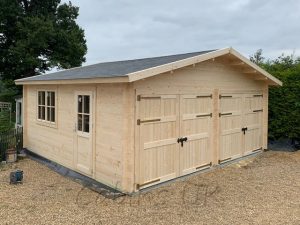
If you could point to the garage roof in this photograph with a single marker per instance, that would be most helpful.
(113, 69)
(133, 70)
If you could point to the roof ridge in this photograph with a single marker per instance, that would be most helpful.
(153, 57)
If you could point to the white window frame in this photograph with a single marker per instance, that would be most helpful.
(81, 132)
(45, 121)
(19, 112)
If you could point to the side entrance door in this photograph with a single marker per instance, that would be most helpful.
(173, 136)
(240, 125)
(83, 144)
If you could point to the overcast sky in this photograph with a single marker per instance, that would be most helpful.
(127, 29)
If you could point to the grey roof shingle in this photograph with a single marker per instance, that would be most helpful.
(112, 69)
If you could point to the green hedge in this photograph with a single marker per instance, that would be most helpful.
(284, 102)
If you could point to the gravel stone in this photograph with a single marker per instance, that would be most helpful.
(264, 189)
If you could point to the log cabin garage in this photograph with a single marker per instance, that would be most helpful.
(137, 123)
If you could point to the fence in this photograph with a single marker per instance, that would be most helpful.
(11, 139)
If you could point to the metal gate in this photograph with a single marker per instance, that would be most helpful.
(11, 139)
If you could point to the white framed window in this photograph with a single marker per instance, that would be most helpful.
(83, 113)
(46, 106)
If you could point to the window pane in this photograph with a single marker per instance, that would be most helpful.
(80, 103)
(42, 98)
(86, 123)
(52, 98)
(48, 98)
(86, 104)
(48, 114)
(52, 114)
(19, 116)
(79, 122)
(42, 113)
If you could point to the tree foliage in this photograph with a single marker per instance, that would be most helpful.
(257, 57)
(7, 92)
(5, 124)
(37, 35)
(284, 102)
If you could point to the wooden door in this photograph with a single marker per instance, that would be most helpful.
(231, 122)
(252, 121)
(158, 126)
(195, 125)
(83, 144)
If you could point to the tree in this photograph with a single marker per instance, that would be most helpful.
(257, 57)
(7, 94)
(38, 35)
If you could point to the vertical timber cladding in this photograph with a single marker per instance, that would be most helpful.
(174, 136)
(240, 125)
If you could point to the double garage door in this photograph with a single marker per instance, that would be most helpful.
(175, 133)
(240, 125)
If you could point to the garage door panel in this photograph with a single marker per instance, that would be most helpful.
(158, 162)
(195, 125)
(230, 126)
(253, 118)
(163, 119)
(169, 106)
(253, 141)
(241, 111)
(158, 129)
(253, 122)
(253, 101)
(230, 103)
(150, 108)
(230, 122)
(196, 155)
(230, 145)
(231, 131)
(196, 104)
(159, 143)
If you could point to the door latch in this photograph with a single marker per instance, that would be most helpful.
(181, 140)
(244, 129)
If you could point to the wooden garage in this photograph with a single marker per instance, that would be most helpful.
(136, 123)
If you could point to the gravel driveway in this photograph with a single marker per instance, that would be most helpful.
(259, 190)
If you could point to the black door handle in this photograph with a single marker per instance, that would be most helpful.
(181, 140)
(244, 129)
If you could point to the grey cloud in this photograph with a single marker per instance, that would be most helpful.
(124, 29)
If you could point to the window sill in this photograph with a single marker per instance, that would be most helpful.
(46, 124)
(83, 134)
